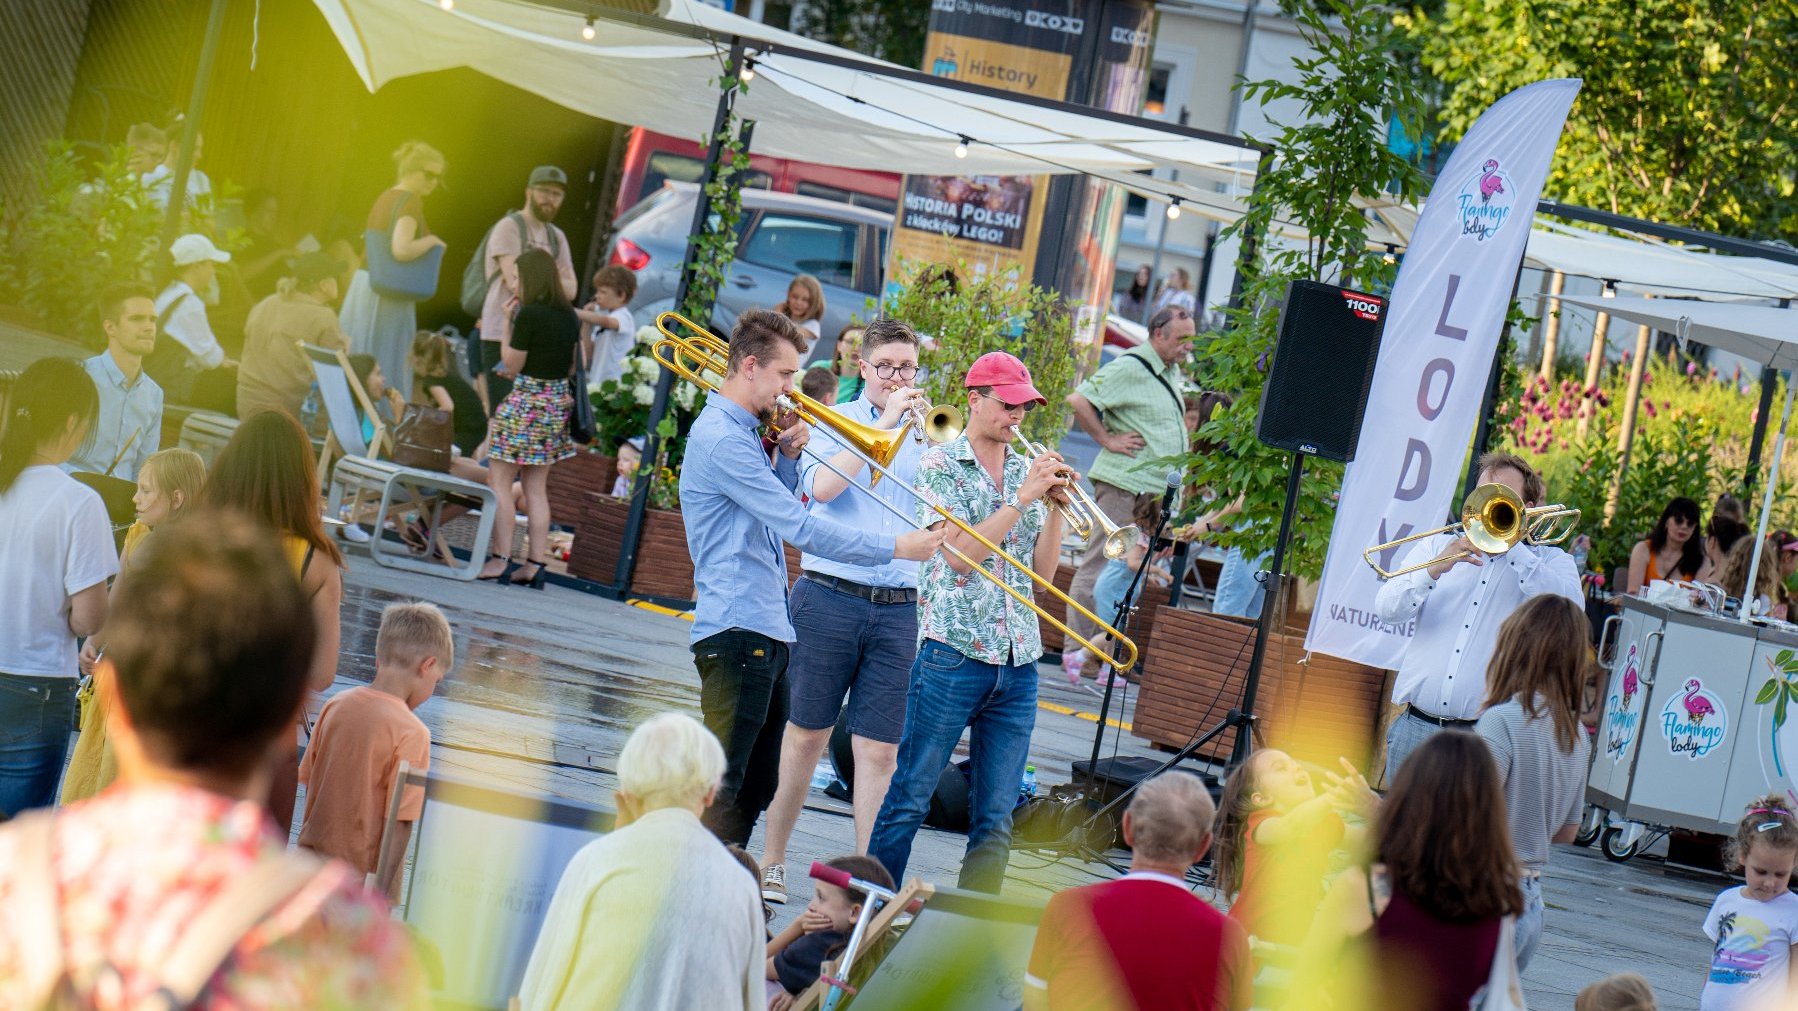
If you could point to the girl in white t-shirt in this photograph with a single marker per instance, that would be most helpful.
(1754, 927)
(56, 554)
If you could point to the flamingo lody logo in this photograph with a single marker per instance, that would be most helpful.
(1694, 721)
(1485, 201)
(1366, 307)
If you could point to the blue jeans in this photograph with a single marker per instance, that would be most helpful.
(1529, 925)
(36, 718)
(1238, 591)
(950, 692)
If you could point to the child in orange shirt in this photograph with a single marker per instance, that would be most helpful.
(364, 734)
(1275, 838)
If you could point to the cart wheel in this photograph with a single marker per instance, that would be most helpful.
(1591, 826)
(1615, 850)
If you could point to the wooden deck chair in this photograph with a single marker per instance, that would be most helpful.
(358, 470)
(206, 432)
(873, 941)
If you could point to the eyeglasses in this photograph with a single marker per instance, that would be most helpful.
(906, 372)
(1028, 405)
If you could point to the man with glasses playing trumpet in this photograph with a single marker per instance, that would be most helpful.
(976, 660)
(857, 625)
(738, 508)
(1458, 604)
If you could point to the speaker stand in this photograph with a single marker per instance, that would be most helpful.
(1242, 720)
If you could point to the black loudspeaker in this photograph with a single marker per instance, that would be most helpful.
(1316, 391)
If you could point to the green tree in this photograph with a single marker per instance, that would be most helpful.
(1348, 87)
(890, 30)
(1687, 110)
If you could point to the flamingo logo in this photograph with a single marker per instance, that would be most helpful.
(1484, 202)
(1632, 683)
(1694, 721)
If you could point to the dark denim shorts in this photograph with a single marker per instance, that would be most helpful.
(850, 646)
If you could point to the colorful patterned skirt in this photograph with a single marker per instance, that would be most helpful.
(531, 426)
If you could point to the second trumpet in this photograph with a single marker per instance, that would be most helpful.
(1083, 515)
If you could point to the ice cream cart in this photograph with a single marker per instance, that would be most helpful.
(1693, 724)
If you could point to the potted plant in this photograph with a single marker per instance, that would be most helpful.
(663, 569)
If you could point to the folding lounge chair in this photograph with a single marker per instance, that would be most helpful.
(206, 433)
(359, 470)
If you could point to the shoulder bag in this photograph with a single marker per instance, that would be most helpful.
(581, 426)
(422, 438)
(409, 281)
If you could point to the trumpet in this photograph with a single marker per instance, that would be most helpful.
(931, 425)
(1082, 515)
(697, 356)
(1494, 520)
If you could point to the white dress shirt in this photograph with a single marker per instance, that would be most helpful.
(187, 324)
(1458, 616)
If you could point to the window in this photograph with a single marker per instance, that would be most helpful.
(1154, 103)
(1136, 205)
(800, 245)
(843, 196)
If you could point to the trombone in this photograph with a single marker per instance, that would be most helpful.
(1082, 514)
(1495, 520)
(701, 357)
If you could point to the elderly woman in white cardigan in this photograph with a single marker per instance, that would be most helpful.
(657, 914)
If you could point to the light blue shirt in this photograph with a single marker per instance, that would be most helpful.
(737, 510)
(856, 508)
(124, 409)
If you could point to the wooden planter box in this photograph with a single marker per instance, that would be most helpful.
(573, 479)
(1052, 638)
(1318, 710)
(663, 567)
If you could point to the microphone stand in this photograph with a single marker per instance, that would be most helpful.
(1126, 610)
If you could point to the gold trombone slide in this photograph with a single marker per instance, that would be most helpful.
(702, 359)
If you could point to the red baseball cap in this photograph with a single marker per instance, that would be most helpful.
(1007, 376)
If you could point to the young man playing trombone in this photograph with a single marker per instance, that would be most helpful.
(738, 509)
(976, 662)
(857, 625)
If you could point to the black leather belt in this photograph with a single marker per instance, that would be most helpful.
(1436, 721)
(872, 594)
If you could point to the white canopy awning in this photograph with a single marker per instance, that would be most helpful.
(1756, 332)
(846, 110)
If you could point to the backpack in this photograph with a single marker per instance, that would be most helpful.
(208, 942)
(476, 283)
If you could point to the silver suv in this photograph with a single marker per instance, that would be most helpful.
(781, 235)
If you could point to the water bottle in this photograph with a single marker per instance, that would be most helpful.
(1028, 789)
(823, 775)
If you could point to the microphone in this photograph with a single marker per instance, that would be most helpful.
(1173, 488)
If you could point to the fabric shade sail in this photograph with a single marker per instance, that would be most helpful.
(1756, 332)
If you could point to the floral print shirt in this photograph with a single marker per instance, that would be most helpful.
(968, 612)
(136, 864)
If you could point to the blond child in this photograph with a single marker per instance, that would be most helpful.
(1754, 926)
(1626, 991)
(363, 735)
(797, 954)
(166, 484)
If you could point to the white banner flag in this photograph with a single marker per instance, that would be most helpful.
(1441, 334)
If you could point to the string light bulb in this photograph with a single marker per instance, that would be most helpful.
(961, 147)
(1391, 254)
(587, 31)
(747, 74)
(1173, 209)
(448, 5)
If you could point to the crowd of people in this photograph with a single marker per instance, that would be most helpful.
(183, 786)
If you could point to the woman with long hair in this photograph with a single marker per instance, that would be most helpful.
(1535, 685)
(1444, 876)
(377, 324)
(1132, 302)
(1673, 550)
(1727, 526)
(804, 305)
(56, 554)
(1769, 596)
(529, 432)
(266, 472)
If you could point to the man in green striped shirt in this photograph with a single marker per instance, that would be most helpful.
(1135, 409)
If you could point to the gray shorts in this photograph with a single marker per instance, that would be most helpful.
(847, 645)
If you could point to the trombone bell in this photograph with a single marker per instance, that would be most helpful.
(1494, 520)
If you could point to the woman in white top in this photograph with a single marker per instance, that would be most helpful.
(1176, 290)
(805, 306)
(657, 915)
(56, 554)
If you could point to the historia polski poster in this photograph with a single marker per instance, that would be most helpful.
(1446, 312)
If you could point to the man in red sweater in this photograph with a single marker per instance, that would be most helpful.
(1144, 941)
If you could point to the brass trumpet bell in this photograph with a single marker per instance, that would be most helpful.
(942, 423)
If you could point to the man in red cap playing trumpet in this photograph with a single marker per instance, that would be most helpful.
(977, 652)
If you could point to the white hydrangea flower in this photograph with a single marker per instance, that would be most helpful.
(645, 394)
(647, 334)
(684, 395)
(645, 366)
